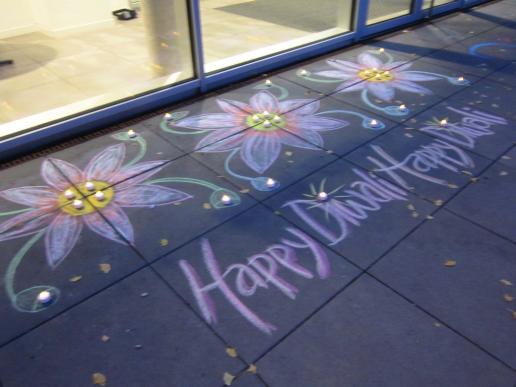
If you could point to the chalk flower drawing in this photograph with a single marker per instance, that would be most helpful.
(265, 116)
(379, 78)
(51, 209)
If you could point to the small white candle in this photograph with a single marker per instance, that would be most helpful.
(443, 122)
(99, 195)
(44, 297)
(373, 123)
(256, 118)
(268, 82)
(303, 73)
(387, 72)
(322, 196)
(270, 182)
(226, 199)
(267, 124)
(381, 49)
(131, 133)
(402, 107)
(69, 194)
(266, 114)
(168, 116)
(277, 119)
(460, 79)
(90, 186)
(78, 204)
(378, 76)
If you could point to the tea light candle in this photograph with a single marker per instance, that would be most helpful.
(322, 196)
(256, 118)
(373, 123)
(69, 194)
(268, 82)
(270, 182)
(443, 122)
(266, 114)
(99, 195)
(131, 133)
(381, 49)
(303, 73)
(267, 124)
(44, 297)
(460, 79)
(226, 199)
(402, 108)
(78, 204)
(168, 116)
(386, 72)
(90, 186)
(277, 119)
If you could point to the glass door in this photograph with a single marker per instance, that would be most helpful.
(237, 32)
(59, 59)
(435, 7)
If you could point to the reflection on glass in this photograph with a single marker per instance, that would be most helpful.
(381, 10)
(70, 59)
(428, 3)
(240, 31)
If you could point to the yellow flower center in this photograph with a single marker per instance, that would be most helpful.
(375, 75)
(69, 199)
(265, 122)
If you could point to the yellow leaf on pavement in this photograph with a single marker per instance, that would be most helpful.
(99, 379)
(228, 379)
(231, 352)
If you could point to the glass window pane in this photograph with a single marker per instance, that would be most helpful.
(428, 3)
(381, 10)
(70, 57)
(239, 31)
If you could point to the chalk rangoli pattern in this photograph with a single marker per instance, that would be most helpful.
(371, 75)
(51, 214)
(343, 208)
(258, 129)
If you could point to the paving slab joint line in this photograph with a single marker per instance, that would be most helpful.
(456, 331)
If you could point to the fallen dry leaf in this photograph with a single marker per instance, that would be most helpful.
(206, 206)
(105, 267)
(450, 263)
(76, 278)
(513, 312)
(438, 202)
(436, 324)
(245, 190)
(473, 179)
(503, 173)
(508, 297)
(429, 217)
(105, 338)
(163, 242)
(99, 379)
(506, 282)
(231, 351)
(506, 157)
(228, 379)
(411, 207)
(415, 214)
(288, 153)
(277, 213)
(453, 186)
(252, 369)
